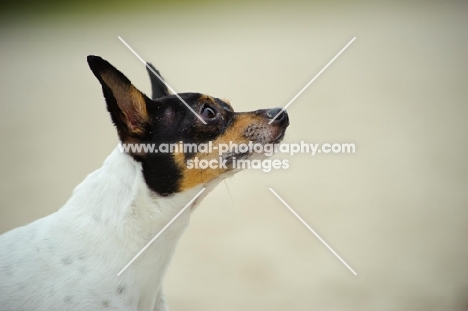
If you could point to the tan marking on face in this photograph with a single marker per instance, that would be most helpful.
(235, 134)
(196, 176)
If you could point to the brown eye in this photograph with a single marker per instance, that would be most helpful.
(208, 113)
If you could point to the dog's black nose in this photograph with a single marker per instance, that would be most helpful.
(281, 118)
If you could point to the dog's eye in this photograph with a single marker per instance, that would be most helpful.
(208, 113)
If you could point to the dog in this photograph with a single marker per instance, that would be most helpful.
(69, 260)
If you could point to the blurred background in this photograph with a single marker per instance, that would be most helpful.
(396, 210)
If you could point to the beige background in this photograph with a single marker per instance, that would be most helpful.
(396, 210)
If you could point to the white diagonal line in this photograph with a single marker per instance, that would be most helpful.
(160, 78)
(160, 232)
(313, 79)
(312, 230)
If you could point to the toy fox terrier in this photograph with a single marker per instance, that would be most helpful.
(69, 260)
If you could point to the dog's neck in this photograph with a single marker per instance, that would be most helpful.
(115, 203)
(117, 196)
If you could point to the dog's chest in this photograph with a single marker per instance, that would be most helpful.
(56, 265)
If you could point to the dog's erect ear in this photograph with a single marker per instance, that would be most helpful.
(158, 87)
(125, 103)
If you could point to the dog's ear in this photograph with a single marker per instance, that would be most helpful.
(126, 104)
(158, 86)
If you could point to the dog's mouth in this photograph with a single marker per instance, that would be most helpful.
(280, 136)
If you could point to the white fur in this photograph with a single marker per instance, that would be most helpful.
(69, 260)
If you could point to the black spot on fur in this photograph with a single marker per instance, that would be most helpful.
(67, 299)
(120, 289)
(67, 261)
(105, 303)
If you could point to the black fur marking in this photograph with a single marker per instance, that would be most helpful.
(172, 122)
(98, 66)
(158, 88)
(224, 105)
(120, 83)
(161, 174)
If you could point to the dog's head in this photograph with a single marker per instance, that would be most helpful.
(162, 133)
